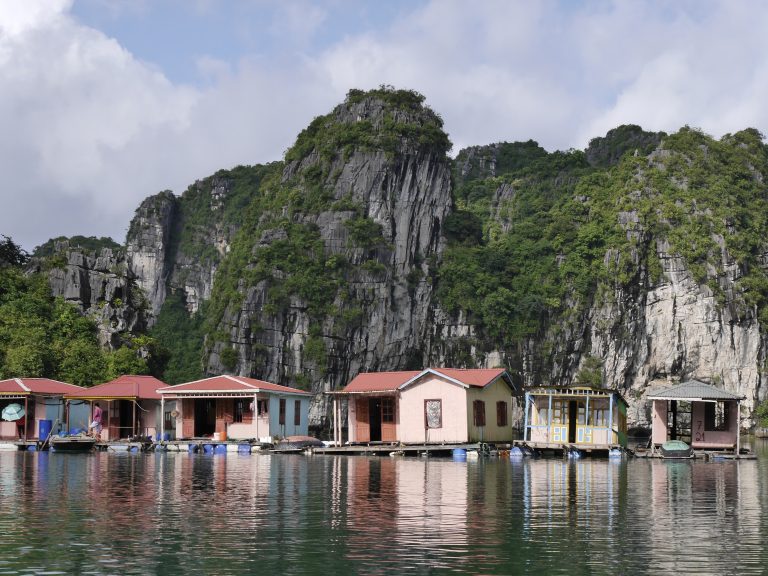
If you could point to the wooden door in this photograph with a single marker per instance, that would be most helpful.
(362, 421)
(388, 419)
(224, 412)
(187, 418)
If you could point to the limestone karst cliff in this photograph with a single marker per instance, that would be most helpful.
(640, 259)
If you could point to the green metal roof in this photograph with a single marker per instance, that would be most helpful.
(693, 390)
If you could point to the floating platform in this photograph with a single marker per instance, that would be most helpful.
(571, 449)
(700, 455)
(385, 449)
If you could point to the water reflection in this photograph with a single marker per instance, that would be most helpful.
(204, 514)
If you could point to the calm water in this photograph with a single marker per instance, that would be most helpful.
(175, 513)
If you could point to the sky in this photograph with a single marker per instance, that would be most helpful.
(106, 102)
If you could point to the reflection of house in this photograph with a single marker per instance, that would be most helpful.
(237, 407)
(698, 413)
(592, 417)
(431, 406)
(41, 398)
(130, 406)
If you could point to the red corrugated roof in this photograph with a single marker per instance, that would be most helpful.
(380, 381)
(226, 383)
(123, 387)
(37, 386)
(383, 381)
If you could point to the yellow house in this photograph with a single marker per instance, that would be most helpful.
(581, 416)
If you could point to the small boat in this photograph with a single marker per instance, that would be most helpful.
(297, 444)
(676, 449)
(74, 443)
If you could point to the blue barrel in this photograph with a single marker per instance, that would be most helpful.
(208, 448)
(459, 454)
(192, 449)
(134, 448)
(166, 436)
(220, 449)
(243, 448)
(31, 448)
(44, 429)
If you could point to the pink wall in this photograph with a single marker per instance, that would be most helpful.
(702, 437)
(659, 422)
(410, 414)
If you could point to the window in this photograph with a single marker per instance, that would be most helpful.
(241, 407)
(433, 413)
(479, 412)
(263, 407)
(281, 420)
(599, 417)
(715, 416)
(501, 414)
(297, 413)
(557, 411)
(542, 417)
(388, 410)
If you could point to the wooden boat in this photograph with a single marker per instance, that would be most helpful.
(76, 443)
(676, 449)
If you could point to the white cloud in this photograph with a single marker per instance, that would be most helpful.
(88, 130)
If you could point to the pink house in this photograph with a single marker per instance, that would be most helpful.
(41, 399)
(704, 416)
(130, 405)
(432, 406)
(235, 407)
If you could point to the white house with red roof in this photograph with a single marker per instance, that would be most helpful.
(435, 405)
(42, 399)
(130, 406)
(238, 408)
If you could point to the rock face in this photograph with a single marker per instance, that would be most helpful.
(147, 246)
(101, 285)
(379, 228)
(677, 330)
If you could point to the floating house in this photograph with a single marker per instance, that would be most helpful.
(235, 407)
(432, 406)
(130, 407)
(583, 417)
(42, 399)
(704, 416)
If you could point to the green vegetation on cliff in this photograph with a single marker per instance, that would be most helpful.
(85, 243)
(559, 232)
(42, 336)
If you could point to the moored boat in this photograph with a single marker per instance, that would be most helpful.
(75, 443)
(676, 449)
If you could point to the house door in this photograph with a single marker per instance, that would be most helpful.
(388, 426)
(125, 418)
(362, 427)
(374, 415)
(205, 417)
(573, 408)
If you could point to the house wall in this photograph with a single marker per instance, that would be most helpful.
(264, 428)
(659, 422)
(410, 412)
(702, 438)
(497, 391)
(289, 428)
